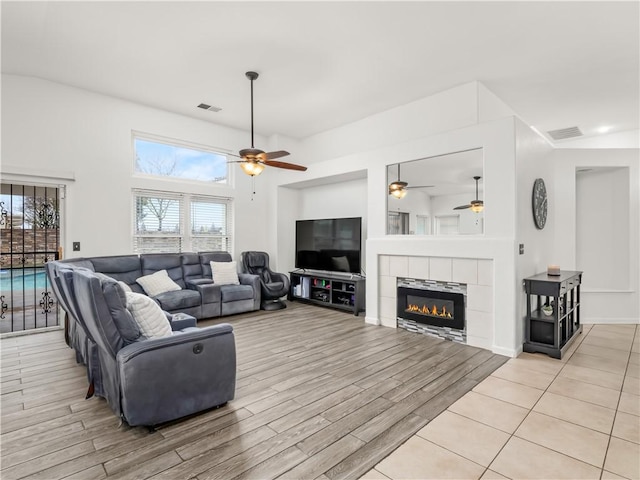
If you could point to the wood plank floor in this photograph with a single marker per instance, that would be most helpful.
(319, 394)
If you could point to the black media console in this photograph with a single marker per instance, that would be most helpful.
(340, 291)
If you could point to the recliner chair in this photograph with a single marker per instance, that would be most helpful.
(274, 285)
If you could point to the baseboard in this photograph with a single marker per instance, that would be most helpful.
(371, 320)
(507, 352)
(611, 321)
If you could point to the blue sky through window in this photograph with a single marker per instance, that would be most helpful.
(155, 158)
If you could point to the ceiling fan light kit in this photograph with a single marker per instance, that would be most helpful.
(398, 189)
(253, 159)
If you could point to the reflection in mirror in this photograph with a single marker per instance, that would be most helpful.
(437, 195)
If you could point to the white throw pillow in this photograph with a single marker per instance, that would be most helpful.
(148, 315)
(225, 273)
(124, 286)
(157, 283)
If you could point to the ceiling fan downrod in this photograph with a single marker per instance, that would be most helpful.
(252, 76)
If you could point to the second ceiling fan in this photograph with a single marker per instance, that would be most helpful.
(475, 205)
(399, 188)
(253, 160)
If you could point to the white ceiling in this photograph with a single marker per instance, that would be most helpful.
(325, 64)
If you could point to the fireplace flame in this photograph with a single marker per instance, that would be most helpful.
(432, 311)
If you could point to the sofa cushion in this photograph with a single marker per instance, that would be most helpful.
(116, 301)
(225, 273)
(157, 283)
(178, 300)
(232, 293)
(151, 320)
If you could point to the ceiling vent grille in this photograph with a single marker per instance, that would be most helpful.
(204, 106)
(564, 133)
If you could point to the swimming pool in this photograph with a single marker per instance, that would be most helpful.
(23, 279)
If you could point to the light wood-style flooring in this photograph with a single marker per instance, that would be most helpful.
(320, 394)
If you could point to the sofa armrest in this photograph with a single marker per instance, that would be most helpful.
(193, 283)
(167, 378)
(209, 291)
(254, 281)
(180, 321)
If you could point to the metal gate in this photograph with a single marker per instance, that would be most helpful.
(30, 234)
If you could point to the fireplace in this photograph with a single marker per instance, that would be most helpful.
(431, 307)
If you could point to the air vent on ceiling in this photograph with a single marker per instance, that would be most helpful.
(204, 106)
(564, 133)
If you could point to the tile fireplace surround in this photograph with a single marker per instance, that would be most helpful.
(476, 273)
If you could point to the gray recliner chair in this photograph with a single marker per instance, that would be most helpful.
(273, 285)
(151, 381)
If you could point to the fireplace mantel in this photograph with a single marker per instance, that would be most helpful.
(486, 265)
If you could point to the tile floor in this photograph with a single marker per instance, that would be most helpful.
(537, 417)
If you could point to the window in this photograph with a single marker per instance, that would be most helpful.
(179, 160)
(398, 223)
(422, 225)
(171, 223)
(447, 224)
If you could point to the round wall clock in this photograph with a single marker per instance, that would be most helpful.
(539, 203)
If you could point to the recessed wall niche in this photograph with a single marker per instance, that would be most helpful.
(435, 186)
(602, 225)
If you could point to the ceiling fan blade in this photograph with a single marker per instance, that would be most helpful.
(462, 207)
(288, 166)
(278, 154)
(421, 186)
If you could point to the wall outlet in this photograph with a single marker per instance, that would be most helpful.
(76, 246)
(521, 249)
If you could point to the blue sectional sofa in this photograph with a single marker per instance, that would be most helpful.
(199, 296)
(147, 381)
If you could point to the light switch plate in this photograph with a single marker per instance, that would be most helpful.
(76, 246)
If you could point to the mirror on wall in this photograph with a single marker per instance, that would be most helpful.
(441, 195)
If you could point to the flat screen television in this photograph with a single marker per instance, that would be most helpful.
(331, 244)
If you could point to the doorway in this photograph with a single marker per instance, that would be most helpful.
(30, 234)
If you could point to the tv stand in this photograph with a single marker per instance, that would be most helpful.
(337, 290)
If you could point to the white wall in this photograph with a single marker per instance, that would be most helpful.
(443, 111)
(598, 305)
(533, 160)
(332, 200)
(55, 130)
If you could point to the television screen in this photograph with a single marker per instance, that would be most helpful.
(329, 244)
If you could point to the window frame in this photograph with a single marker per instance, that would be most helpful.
(186, 236)
(173, 142)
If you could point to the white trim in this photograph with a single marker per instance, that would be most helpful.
(601, 290)
(13, 173)
(611, 321)
(32, 331)
(372, 320)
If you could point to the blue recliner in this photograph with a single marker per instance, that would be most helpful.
(149, 381)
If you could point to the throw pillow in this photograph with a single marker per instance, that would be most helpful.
(151, 320)
(157, 283)
(225, 273)
(124, 286)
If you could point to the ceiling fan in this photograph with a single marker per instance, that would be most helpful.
(253, 159)
(399, 188)
(475, 205)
